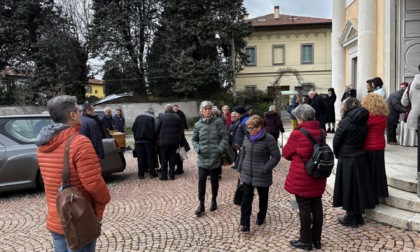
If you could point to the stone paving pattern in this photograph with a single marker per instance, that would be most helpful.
(154, 215)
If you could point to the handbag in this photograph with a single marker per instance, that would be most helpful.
(239, 193)
(78, 219)
(407, 111)
(228, 155)
(182, 153)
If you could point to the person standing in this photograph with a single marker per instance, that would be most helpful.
(259, 155)
(320, 106)
(239, 134)
(227, 115)
(378, 87)
(84, 167)
(118, 121)
(349, 92)
(178, 161)
(181, 115)
(352, 176)
(330, 100)
(144, 132)
(106, 119)
(231, 132)
(375, 144)
(169, 130)
(411, 99)
(91, 130)
(369, 86)
(395, 109)
(307, 189)
(272, 123)
(296, 100)
(209, 140)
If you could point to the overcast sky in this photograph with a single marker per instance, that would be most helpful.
(307, 8)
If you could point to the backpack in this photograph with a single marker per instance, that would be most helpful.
(321, 162)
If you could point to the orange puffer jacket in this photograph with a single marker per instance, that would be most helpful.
(85, 173)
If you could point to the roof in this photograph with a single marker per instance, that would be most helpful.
(287, 20)
(95, 82)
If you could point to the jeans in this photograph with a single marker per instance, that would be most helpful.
(246, 206)
(60, 244)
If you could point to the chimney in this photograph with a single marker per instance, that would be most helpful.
(276, 12)
(246, 15)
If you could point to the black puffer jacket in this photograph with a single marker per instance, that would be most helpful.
(351, 133)
(258, 160)
(169, 129)
(144, 128)
(395, 107)
(273, 124)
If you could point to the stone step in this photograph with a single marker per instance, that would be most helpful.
(395, 217)
(403, 200)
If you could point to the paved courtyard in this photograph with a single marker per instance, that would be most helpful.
(154, 215)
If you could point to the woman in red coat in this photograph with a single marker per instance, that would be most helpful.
(307, 189)
(375, 144)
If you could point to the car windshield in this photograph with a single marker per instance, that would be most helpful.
(25, 130)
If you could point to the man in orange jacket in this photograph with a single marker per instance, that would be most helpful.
(84, 167)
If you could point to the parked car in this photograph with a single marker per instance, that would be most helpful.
(18, 161)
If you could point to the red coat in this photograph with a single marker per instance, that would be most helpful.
(375, 139)
(299, 147)
(85, 173)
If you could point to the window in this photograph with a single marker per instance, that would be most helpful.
(307, 54)
(96, 91)
(250, 88)
(89, 89)
(26, 130)
(278, 55)
(251, 56)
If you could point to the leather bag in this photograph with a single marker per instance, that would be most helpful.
(77, 216)
(239, 194)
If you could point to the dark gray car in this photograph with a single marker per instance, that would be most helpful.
(18, 161)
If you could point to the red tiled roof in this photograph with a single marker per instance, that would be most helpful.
(95, 82)
(287, 20)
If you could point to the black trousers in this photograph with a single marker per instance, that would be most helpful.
(179, 163)
(246, 206)
(168, 154)
(202, 180)
(311, 218)
(391, 132)
(146, 158)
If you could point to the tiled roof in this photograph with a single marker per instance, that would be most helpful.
(287, 20)
(95, 82)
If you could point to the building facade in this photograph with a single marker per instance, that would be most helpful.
(95, 88)
(284, 42)
(374, 38)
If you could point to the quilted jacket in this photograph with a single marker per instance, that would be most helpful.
(375, 139)
(85, 170)
(299, 149)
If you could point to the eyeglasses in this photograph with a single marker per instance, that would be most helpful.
(207, 108)
(250, 128)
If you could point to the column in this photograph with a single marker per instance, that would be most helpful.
(338, 57)
(366, 50)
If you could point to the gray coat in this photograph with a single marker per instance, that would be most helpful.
(209, 139)
(258, 160)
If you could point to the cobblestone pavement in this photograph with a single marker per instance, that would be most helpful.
(154, 215)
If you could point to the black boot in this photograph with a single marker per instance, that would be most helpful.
(200, 209)
(349, 220)
(213, 205)
(329, 130)
(333, 130)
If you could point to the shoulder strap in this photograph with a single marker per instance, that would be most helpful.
(306, 133)
(66, 172)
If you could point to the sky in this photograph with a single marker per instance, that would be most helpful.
(307, 8)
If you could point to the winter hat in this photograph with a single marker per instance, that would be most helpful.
(240, 110)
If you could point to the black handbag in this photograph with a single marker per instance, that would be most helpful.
(239, 194)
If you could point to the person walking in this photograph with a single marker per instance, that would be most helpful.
(272, 123)
(169, 128)
(118, 121)
(91, 130)
(144, 132)
(307, 189)
(352, 176)
(330, 100)
(84, 167)
(395, 109)
(209, 140)
(375, 145)
(259, 155)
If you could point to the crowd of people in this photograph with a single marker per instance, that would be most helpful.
(358, 143)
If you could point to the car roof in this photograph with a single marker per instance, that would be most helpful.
(26, 116)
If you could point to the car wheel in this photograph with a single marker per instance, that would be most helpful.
(39, 181)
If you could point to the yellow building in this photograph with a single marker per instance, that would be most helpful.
(283, 41)
(375, 38)
(95, 88)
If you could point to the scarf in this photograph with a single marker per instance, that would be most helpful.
(255, 137)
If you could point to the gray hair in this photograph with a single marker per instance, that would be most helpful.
(304, 112)
(349, 104)
(107, 108)
(205, 104)
(151, 111)
(60, 107)
(215, 110)
(272, 108)
(225, 107)
(169, 107)
(86, 107)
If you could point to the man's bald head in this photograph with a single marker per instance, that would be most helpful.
(311, 94)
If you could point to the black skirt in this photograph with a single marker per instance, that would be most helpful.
(376, 161)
